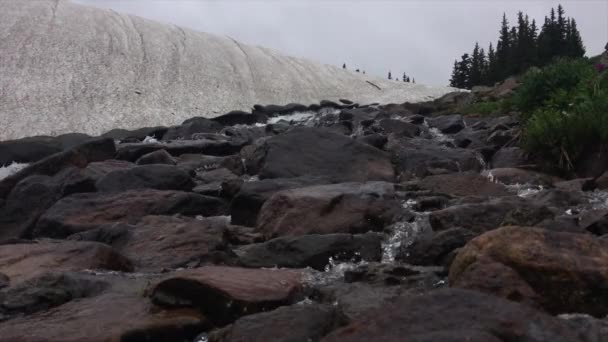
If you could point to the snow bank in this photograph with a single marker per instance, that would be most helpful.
(8, 170)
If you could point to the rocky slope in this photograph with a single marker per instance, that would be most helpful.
(336, 222)
(72, 68)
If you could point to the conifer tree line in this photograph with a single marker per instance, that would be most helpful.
(519, 48)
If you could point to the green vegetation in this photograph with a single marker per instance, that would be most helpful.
(564, 110)
(486, 107)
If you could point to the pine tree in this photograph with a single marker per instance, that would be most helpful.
(344, 66)
(408, 79)
(574, 42)
(414, 80)
(404, 78)
(561, 30)
(492, 75)
(464, 72)
(455, 73)
(503, 49)
(475, 73)
(390, 77)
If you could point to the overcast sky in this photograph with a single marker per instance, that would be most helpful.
(420, 37)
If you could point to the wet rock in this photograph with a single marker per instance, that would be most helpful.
(435, 249)
(156, 157)
(509, 157)
(79, 156)
(488, 215)
(462, 184)
(455, 315)
(602, 181)
(226, 293)
(407, 276)
(520, 176)
(247, 203)
(578, 184)
(214, 176)
(311, 250)
(153, 176)
(594, 329)
(567, 271)
(32, 196)
(219, 147)
(197, 163)
(317, 152)
(237, 117)
(81, 212)
(138, 134)
(21, 262)
(448, 124)
(500, 138)
(559, 199)
(119, 313)
(419, 157)
(190, 127)
(398, 127)
(98, 170)
(27, 150)
(376, 140)
(598, 226)
(325, 209)
(300, 322)
(4, 280)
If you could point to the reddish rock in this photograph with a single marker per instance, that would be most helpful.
(225, 293)
(325, 209)
(25, 261)
(568, 271)
(463, 184)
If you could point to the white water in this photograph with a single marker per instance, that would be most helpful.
(11, 169)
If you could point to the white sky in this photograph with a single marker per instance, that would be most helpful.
(419, 37)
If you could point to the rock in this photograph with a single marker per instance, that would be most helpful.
(317, 152)
(500, 138)
(79, 156)
(435, 250)
(511, 175)
(578, 184)
(455, 315)
(376, 140)
(119, 313)
(300, 322)
(4, 280)
(400, 128)
(21, 262)
(247, 203)
(98, 170)
(567, 271)
(81, 212)
(509, 157)
(27, 150)
(190, 127)
(448, 124)
(484, 216)
(197, 162)
(418, 157)
(593, 328)
(409, 278)
(153, 176)
(226, 293)
(217, 175)
(602, 181)
(325, 209)
(138, 134)
(164, 242)
(346, 102)
(559, 199)
(32, 196)
(598, 226)
(311, 250)
(222, 147)
(156, 157)
(237, 117)
(462, 184)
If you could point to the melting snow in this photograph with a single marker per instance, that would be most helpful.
(10, 169)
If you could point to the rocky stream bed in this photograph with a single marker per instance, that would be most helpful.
(331, 222)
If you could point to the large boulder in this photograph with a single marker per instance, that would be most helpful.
(462, 184)
(227, 293)
(325, 209)
(27, 150)
(247, 203)
(155, 176)
(453, 315)
(448, 124)
(317, 152)
(32, 196)
(567, 271)
(157, 243)
(81, 212)
(192, 126)
(313, 251)
(304, 322)
(24, 261)
(79, 156)
(435, 249)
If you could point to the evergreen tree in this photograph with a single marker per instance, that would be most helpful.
(390, 77)
(344, 66)
(408, 79)
(492, 74)
(561, 31)
(455, 73)
(574, 42)
(404, 78)
(464, 72)
(414, 80)
(476, 68)
(503, 49)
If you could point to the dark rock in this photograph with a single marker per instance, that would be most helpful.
(156, 157)
(330, 104)
(138, 134)
(566, 270)
(510, 175)
(238, 117)
(347, 102)
(399, 127)
(32, 196)
(602, 181)
(462, 184)
(27, 150)
(153, 176)
(509, 157)
(410, 278)
(559, 199)
(325, 209)
(598, 226)
(81, 212)
(485, 216)
(311, 250)
(190, 127)
(4, 280)
(455, 315)
(247, 203)
(448, 124)
(501, 138)
(376, 140)
(317, 152)
(226, 293)
(98, 170)
(79, 156)
(305, 322)
(578, 184)
(435, 249)
(223, 147)
(417, 119)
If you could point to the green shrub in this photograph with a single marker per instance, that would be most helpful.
(487, 107)
(564, 112)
